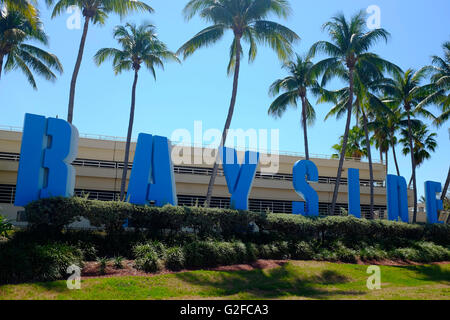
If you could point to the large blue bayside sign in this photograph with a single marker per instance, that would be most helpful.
(49, 146)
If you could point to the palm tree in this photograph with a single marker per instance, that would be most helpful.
(367, 82)
(140, 46)
(15, 30)
(424, 143)
(406, 92)
(25, 7)
(296, 86)
(348, 51)
(356, 145)
(440, 82)
(95, 11)
(247, 20)
(439, 88)
(385, 127)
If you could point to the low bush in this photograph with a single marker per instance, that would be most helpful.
(175, 259)
(22, 262)
(147, 258)
(302, 251)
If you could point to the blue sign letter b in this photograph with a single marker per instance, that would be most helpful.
(48, 148)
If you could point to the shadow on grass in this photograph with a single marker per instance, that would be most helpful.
(430, 272)
(54, 286)
(277, 283)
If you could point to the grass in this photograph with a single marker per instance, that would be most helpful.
(295, 280)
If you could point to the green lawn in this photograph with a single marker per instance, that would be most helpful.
(295, 280)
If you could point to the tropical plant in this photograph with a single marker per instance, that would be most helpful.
(102, 264)
(140, 46)
(25, 7)
(5, 227)
(247, 20)
(440, 96)
(440, 87)
(424, 142)
(15, 53)
(295, 87)
(356, 145)
(385, 127)
(118, 262)
(348, 51)
(95, 11)
(405, 92)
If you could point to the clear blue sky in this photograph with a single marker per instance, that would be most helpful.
(200, 89)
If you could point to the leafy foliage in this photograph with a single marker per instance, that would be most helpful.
(5, 227)
(15, 31)
(20, 261)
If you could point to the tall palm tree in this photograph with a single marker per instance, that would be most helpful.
(440, 95)
(247, 20)
(366, 83)
(424, 143)
(440, 87)
(294, 87)
(15, 53)
(95, 11)
(349, 47)
(406, 92)
(140, 46)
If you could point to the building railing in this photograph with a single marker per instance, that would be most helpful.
(7, 194)
(283, 153)
(195, 170)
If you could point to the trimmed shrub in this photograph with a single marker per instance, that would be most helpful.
(175, 259)
(220, 224)
(22, 262)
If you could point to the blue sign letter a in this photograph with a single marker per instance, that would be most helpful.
(48, 148)
(152, 176)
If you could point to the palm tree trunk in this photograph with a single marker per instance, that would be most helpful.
(344, 143)
(73, 82)
(229, 117)
(1, 65)
(369, 156)
(127, 145)
(387, 162)
(395, 158)
(413, 163)
(447, 183)
(305, 127)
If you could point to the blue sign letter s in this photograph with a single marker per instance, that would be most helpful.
(305, 170)
(48, 148)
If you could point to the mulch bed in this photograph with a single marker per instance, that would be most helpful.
(91, 269)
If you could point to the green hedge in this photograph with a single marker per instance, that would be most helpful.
(221, 224)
